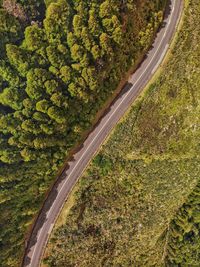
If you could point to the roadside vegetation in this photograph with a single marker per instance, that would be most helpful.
(59, 63)
(138, 203)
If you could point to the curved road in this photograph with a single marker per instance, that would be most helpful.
(75, 168)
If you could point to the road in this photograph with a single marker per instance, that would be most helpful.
(69, 177)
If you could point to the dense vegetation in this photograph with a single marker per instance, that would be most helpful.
(59, 62)
(138, 203)
(183, 248)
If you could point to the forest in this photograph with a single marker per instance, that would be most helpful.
(138, 202)
(59, 63)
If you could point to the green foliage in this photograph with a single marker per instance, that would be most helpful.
(11, 97)
(184, 242)
(10, 29)
(34, 37)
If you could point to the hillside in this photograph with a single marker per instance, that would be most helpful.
(137, 204)
(59, 62)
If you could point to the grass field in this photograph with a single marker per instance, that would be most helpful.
(137, 204)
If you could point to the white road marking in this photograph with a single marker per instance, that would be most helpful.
(51, 228)
(39, 233)
(161, 59)
(169, 22)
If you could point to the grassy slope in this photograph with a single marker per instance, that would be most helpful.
(143, 174)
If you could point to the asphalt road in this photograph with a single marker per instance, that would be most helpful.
(61, 190)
